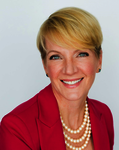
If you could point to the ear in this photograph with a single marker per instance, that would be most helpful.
(99, 62)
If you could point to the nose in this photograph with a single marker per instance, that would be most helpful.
(69, 67)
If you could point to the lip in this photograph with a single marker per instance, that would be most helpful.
(72, 85)
(71, 79)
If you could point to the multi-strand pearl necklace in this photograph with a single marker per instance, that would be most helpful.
(85, 136)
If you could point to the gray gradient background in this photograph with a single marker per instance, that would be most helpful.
(21, 71)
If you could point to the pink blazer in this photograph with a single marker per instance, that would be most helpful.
(36, 125)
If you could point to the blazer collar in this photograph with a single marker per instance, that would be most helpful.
(49, 111)
(99, 130)
(49, 123)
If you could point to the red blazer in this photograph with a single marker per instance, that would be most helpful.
(36, 125)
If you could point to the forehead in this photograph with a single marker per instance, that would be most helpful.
(49, 44)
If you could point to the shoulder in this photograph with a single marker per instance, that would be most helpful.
(28, 111)
(100, 107)
(31, 106)
(21, 116)
(21, 125)
(104, 111)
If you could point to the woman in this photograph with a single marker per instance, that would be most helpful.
(61, 116)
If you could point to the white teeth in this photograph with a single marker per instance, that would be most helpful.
(71, 82)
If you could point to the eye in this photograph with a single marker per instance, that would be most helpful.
(54, 57)
(83, 54)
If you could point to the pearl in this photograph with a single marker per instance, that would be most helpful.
(87, 127)
(85, 119)
(84, 135)
(86, 142)
(89, 131)
(78, 131)
(71, 140)
(80, 140)
(75, 132)
(72, 131)
(80, 128)
(85, 116)
(84, 145)
(86, 131)
(84, 123)
(86, 108)
(65, 126)
(88, 139)
(77, 141)
(86, 112)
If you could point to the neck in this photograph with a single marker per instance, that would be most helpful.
(72, 111)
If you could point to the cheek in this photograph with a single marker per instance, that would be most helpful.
(89, 68)
(53, 70)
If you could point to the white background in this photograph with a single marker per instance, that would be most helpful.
(21, 71)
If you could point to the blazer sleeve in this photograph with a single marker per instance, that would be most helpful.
(14, 134)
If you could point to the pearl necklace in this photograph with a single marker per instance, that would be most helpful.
(86, 135)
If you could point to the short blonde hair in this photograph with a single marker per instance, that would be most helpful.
(70, 27)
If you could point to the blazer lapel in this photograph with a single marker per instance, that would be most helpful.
(50, 127)
(99, 129)
(49, 123)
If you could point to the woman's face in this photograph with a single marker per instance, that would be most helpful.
(71, 72)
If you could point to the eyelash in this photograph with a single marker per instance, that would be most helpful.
(53, 57)
(85, 54)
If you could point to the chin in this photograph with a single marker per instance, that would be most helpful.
(73, 97)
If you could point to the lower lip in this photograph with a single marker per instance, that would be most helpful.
(73, 85)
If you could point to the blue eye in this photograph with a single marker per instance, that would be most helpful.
(83, 54)
(53, 57)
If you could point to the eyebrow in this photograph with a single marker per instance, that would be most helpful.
(53, 51)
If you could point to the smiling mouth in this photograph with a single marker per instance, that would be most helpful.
(71, 82)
